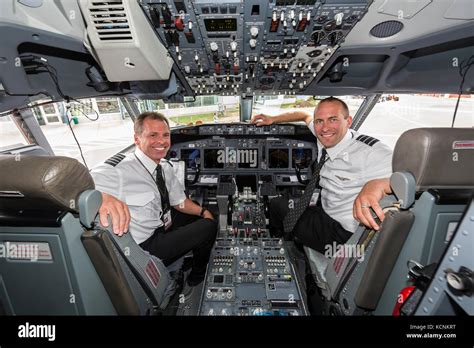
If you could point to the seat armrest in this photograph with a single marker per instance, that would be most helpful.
(89, 204)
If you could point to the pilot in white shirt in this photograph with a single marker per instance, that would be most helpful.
(163, 220)
(352, 162)
(352, 159)
(131, 178)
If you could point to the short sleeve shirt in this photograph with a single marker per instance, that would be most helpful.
(131, 179)
(352, 162)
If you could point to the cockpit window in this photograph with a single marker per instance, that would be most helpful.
(275, 105)
(394, 114)
(11, 136)
(101, 125)
(201, 110)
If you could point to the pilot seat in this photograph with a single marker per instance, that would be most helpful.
(432, 183)
(55, 260)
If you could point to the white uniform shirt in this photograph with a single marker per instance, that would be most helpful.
(350, 165)
(132, 180)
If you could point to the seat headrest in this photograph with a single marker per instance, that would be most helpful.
(438, 158)
(42, 182)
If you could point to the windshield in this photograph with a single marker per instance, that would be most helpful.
(275, 105)
(395, 114)
(103, 127)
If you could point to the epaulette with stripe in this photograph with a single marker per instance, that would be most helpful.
(367, 140)
(170, 161)
(115, 159)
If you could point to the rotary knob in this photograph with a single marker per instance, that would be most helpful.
(233, 46)
(213, 46)
(338, 17)
(254, 32)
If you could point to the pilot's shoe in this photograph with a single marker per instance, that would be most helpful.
(187, 264)
(178, 277)
(191, 283)
(187, 291)
(195, 279)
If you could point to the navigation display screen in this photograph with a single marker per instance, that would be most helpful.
(301, 156)
(247, 158)
(220, 24)
(278, 158)
(212, 160)
(192, 157)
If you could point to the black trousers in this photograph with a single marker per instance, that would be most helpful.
(315, 228)
(188, 232)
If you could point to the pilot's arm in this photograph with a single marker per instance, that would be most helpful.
(369, 197)
(378, 163)
(107, 181)
(180, 202)
(191, 208)
(296, 116)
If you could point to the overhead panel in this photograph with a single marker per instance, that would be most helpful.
(254, 46)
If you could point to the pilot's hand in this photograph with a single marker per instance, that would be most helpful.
(207, 215)
(117, 210)
(369, 198)
(262, 120)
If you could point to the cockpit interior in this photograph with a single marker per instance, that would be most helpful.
(57, 260)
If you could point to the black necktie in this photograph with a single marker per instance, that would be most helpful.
(160, 182)
(295, 213)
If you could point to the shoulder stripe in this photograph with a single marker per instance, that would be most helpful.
(373, 141)
(170, 162)
(367, 140)
(115, 159)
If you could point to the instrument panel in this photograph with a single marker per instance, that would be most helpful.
(252, 154)
(249, 273)
(237, 169)
(269, 154)
(238, 47)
